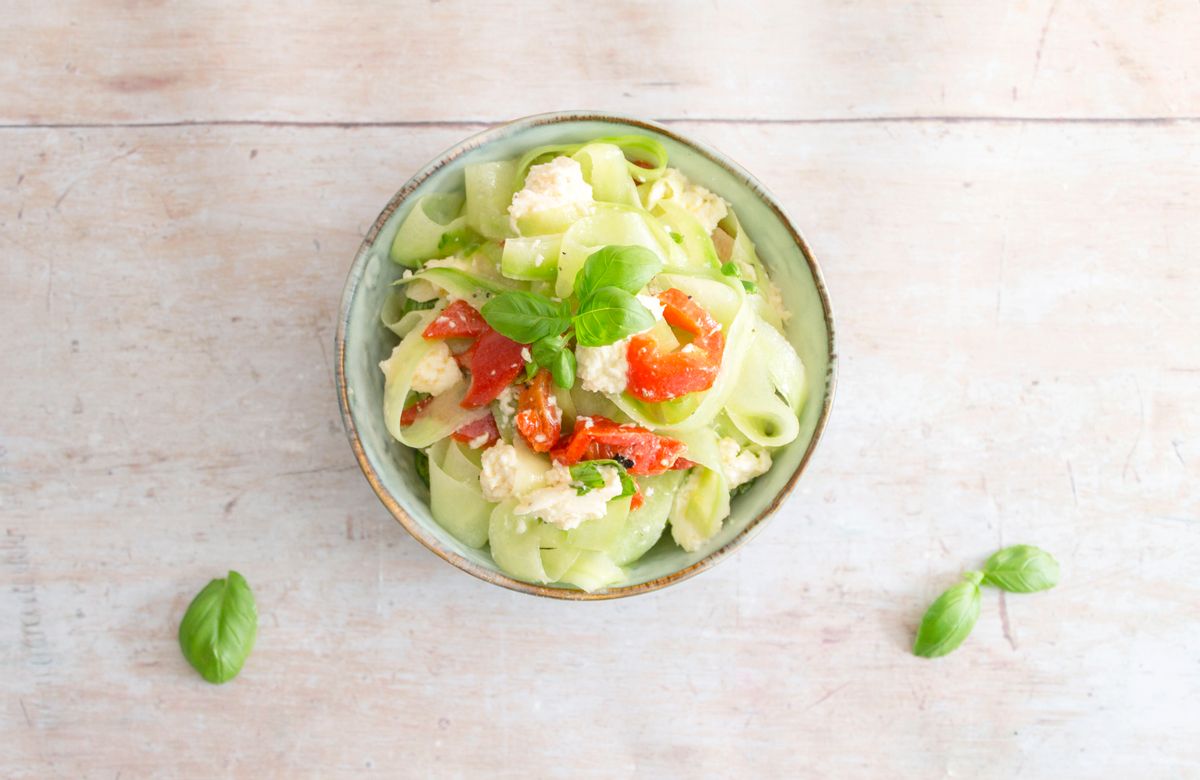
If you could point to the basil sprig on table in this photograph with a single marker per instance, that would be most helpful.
(1019, 569)
(218, 630)
(589, 477)
(949, 619)
(607, 310)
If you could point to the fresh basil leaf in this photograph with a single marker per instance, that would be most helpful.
(526, 317)
(531, 369)
(609, 315)
(589, 476)
(750, 287)
(218, 630)
(729, 269)
(421, 466)
(562, 368)
(627, 268)
(545, 350)
(1021, 569)
(950, 619)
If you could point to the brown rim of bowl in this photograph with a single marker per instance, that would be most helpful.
(494, 577)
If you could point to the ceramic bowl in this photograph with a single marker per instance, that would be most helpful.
(362, 342)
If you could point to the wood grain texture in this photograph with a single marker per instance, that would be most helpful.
(82, 62)
(1016, 304)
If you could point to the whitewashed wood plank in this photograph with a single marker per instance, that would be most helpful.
(1017, 322)
(84, 62)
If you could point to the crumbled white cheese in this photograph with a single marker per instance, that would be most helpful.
(498, 477)
(556, 184)
(606, 369)
(437, 372)
(479, 441)
(528, 358)
(652, 304)
(603, 369)
(741, 465)
(506, 406)
(707, 207)
(560, 504)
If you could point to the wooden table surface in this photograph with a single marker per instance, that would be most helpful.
(1005, 197)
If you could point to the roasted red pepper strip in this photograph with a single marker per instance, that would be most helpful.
(495, 363)
(457, 321)
(636, 501)
(641, 451)
(538, 417)
(657, 376)
(485, 425)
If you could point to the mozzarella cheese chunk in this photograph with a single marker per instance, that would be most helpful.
(499, 474)
(556, 184)
(506, 406)
(559, 503)
(437, 372)
(603, 369)
(707, 207)
(653, 304)
(741, 465)
(606, 369)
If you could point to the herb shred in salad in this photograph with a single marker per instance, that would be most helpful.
(591, 350)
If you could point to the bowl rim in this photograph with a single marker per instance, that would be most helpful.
(485, 137)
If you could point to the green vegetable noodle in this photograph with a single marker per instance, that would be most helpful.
(218, 630)
(591, 360)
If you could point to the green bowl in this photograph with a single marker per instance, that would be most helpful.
(362, 342)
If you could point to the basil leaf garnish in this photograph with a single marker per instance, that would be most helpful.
(526, 317)
(218, 630)
(587, 473)
(544, 350)
(627, 268)
(1021, 569)
(609, 315)
(562, 368)
(950, 619)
